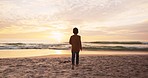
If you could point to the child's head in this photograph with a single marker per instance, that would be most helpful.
(75, 30)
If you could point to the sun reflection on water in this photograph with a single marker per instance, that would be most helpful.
(46, 52)
(58, 52)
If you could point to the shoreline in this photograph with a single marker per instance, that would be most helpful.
(81, 55)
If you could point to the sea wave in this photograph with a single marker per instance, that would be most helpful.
(116, 42)
(121, 46)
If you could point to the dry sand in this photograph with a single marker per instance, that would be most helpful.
(124, 66)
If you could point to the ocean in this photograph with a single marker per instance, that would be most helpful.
(13, 50)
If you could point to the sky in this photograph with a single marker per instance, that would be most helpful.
(52, 21)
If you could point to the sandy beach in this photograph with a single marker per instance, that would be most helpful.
(96, 66)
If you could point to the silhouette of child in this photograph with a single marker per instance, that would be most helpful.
(75, 41)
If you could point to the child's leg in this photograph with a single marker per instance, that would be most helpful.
(77, 58)
(73, 58)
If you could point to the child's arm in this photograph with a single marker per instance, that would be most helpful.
(80, 44)
(70, 40)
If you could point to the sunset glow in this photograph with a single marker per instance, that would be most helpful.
(57, 36)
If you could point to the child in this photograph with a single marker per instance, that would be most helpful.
(75, 41)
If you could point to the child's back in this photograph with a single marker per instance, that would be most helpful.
(75, 41)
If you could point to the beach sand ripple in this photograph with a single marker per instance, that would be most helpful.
(135, 66)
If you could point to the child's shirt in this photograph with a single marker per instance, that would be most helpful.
(75, 41)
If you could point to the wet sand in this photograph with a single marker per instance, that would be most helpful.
(96, 66)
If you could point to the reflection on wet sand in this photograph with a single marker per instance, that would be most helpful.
(47, 52)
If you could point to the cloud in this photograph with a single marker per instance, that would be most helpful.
(92, 17)
(105, 12)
